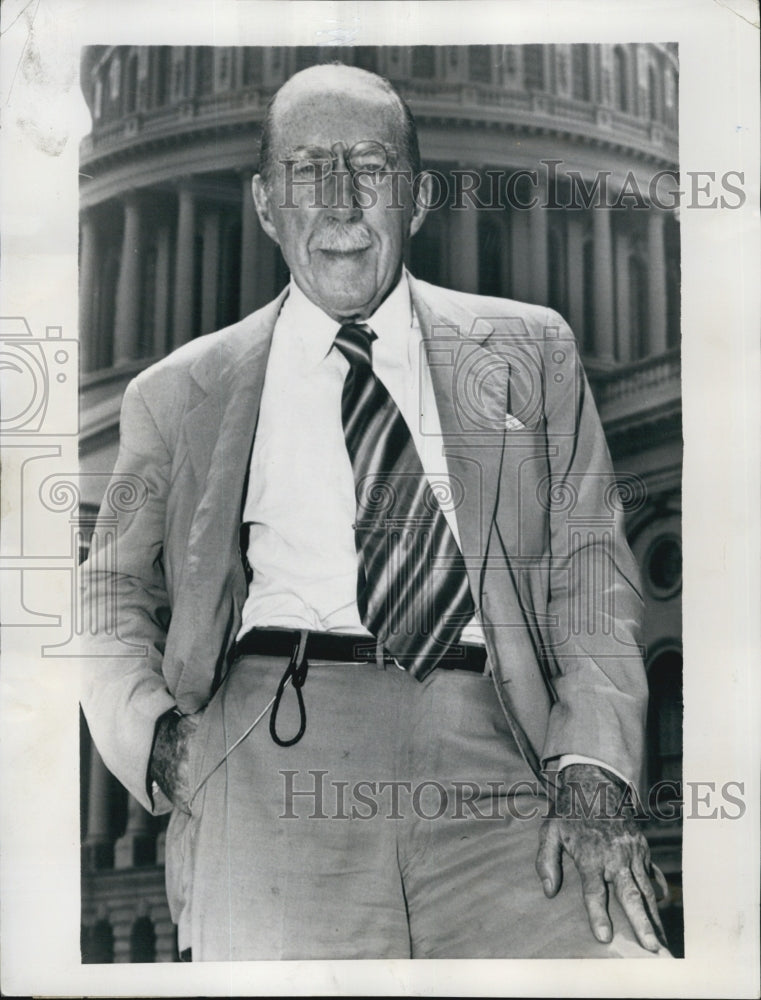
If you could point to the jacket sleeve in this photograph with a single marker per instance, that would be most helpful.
(123, 692)
(595, 602)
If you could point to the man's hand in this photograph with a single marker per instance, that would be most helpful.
(590, 822)
(169, 758)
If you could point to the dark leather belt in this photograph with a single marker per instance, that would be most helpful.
(342, 648)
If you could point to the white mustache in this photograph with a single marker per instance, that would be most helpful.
(341, 238)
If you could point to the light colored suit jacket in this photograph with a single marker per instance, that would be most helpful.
(539, 517)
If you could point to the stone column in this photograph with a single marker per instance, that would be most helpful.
(576, 273)
(191, 67)
(161, 337)
(252, 238)
(463, 247)
(656, 282)
(161, 840)
(98, 847)
(537, 223)
(519, 249)
(165, 931)
(623, 292)
(121, 923)
(603, 281)
(88, 254)
(266, 271)
(506, 259)
(137, 845)
(126, 331)
(209, 271)
(183, 272)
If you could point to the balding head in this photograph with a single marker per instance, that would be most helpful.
(331, 84)
(342, 230)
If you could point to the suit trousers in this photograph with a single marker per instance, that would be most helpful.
(403, 824)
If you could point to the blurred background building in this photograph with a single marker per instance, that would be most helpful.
(171, 248)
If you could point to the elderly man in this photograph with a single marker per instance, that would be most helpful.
(368, 627)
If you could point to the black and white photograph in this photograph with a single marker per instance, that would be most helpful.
(354, 481)
(536, 174)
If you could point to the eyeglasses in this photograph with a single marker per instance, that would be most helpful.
(367, 157)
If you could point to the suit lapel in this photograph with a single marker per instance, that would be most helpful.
(470, 384)
(219, 433)
(235, 370)
(487, 396)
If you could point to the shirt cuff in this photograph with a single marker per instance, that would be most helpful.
(566, 759)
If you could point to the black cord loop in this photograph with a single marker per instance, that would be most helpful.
(297, 669)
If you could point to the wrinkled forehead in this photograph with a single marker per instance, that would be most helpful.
(322, 116)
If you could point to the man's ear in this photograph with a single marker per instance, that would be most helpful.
(423, 198)
(262, 202)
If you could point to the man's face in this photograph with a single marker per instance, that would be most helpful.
(344, 248)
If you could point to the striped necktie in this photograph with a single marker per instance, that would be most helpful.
(412, 587)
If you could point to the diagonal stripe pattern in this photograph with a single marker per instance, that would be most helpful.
(412, 586)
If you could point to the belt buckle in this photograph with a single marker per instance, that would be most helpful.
(363, 650)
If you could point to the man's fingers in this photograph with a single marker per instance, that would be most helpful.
(648, 894)
(596, 902)
(630, 898)
(660, 878)
(614, 858)
(183, 793)
(548, 858)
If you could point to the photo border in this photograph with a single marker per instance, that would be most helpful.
(44, 118)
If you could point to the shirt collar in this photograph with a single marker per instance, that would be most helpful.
(391, 322)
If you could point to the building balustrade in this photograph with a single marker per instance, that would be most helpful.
(645, 394)
(236, 107)
(126, 917)
(644, 124)
(641, 377)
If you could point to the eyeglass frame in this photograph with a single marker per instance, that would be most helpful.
(330, 158)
